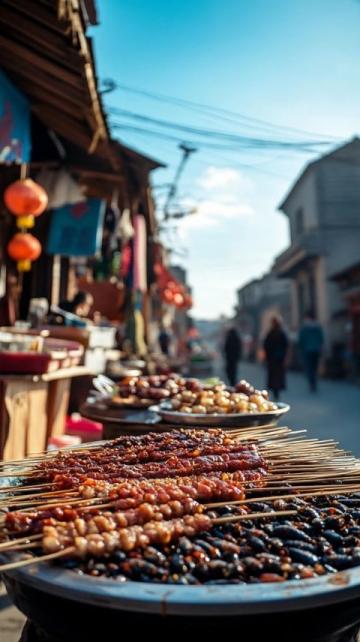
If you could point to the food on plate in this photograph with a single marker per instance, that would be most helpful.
(218, 399)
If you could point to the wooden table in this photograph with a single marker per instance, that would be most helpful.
(33, 409)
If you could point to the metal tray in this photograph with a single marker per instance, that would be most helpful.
(220, 421)
(169, 599)
(124, 403)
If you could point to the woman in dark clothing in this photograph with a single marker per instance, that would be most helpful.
(275, 347)
(232, 354)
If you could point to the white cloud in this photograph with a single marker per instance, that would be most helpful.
(224, 196)
(223, 178)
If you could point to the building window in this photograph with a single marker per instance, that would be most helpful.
(299, 221)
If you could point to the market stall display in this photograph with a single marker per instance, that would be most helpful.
(249, 521)
(225, 419)
(144, 391)
(189, 401)
(237, 508)
(219, 405)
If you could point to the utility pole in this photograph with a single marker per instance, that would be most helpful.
(187, 150)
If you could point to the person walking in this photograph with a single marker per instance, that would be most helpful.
(311, 341)
(275, 348)
(164, 341)
(232, 354)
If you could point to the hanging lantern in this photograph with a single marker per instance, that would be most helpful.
(172, 285)
(25, 199)
(168, 296)
(24, 248)
(178, 299)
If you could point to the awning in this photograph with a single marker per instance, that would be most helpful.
(45, 51)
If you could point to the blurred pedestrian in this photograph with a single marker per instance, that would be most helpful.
(311, 341)
(232, 354)
(275, 348)
(164, 341)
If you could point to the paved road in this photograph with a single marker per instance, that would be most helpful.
(11, 620)
(333, 412)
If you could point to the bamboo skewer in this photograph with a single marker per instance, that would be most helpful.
(69, 550)
(22, 547)
(238, 518)
(35, 560)
(57, 504)
(19, 540)
(270, 498)
(301, 467)
(19, 499)
(29, 488)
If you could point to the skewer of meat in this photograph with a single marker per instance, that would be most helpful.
(79, 539)
(108, 456)
(199, 488)
(126, 539)
(35, 521)
(172, 467)
(72, 480)
(143, 455)
(128, 495)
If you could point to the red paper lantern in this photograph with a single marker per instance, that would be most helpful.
(171, 285)
(25, 197)
(178, 299)
(24, 248)
(168, 296)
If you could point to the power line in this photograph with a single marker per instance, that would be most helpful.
(247, 141)
(232, 116)
(142, 132)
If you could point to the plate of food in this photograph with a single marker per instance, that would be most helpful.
(220, 406)
(145, 391)
(131, 402)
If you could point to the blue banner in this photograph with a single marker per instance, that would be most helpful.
(15, 137)
(76, 230)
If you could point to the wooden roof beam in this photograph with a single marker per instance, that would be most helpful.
(38, 61)
(70, 129)
(38, 14)
(24, 28)
(113, 178)
(85, 50)
(24, 72)
(75, 110)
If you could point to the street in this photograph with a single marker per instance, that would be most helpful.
(333, 412)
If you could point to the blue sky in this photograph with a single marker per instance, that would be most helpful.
(295, 64)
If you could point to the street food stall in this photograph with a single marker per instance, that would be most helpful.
(205, 528)
(35, 379)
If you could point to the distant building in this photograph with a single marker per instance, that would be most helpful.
(323, 208)
(257, 302)
(348, 281)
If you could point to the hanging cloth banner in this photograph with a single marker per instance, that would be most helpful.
(140, 277)
(61, 188)
(15, 138)
(76, 230)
